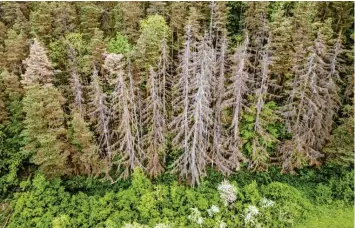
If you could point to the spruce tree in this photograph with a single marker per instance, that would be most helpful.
(44, 134)
(127, 150)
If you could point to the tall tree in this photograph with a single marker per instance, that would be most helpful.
(153, 119)
(313, 101)
(100, 115)
(128, 153)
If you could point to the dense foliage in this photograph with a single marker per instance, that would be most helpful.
(175, 114)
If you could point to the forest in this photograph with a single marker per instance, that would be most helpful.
(177, 114)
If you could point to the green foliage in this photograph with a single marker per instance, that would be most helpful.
(153, 30)
(144, 204)
(44, 135)
(340, 149)
(119, 45)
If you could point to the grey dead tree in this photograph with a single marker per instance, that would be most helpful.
(164, 84)
(127, 153)
(309, 111)
(193, 161)
(153, 119)
(99, 113)
(75, 82)
(221, 148)
(181, 95)
(234, 97)
(260, 156)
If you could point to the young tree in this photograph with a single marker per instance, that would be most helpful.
(262, 138)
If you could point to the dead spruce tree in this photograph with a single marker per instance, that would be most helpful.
(100, 114)
(222, 145)
(234, 97)
(39, 69)
(313, 101)
(181, 90)
(262, 138)
(126, 150)
(198, 113)
(154, 140)
(75, 82)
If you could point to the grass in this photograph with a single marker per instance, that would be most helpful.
(329, 216)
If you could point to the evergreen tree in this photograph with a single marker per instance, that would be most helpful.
(85, 158)
(64, 20)
(89, 19)
(15, 50)
(153, 30)
(11, 126)
(44, 134)
(41, 21)
(132, 13)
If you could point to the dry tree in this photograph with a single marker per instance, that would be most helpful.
(127, 153)
(100, 115)
(39, 69)
(195, 119)
(313, 102)
(153, 119)
(221, 144)
(234, 97)
(75, 81)
(181, 102)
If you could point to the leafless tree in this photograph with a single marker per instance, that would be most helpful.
(154, 140)
(311, 106)
(99, 113)
(76, 85)
(234, 96)
(127, 152)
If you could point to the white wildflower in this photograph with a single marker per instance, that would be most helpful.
(213, 210)
(195, 216)
(227, 192)
(251, 211)
(199, 220)
(266, 202)
(222, 224)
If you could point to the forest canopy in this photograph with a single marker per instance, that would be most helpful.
(176, 93)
